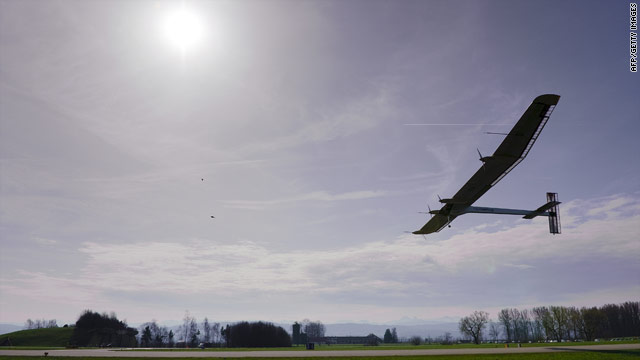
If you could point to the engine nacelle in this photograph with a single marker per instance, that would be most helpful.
(450, 201)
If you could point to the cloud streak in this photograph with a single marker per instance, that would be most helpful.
(322, 196)
(357, 115)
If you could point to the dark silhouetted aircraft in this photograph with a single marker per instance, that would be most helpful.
(513, 149)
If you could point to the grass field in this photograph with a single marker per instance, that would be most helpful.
(57, 338)
(50, 337)
(578, 355)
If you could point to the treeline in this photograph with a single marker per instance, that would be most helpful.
(557, 323)
(153, 335)
(307, 331)
(211, 334)
(94, 329)
(189, 334)
(571, 323)
(256, 334)
(40, 324)
(390, 336)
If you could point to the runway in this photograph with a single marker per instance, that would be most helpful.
(311, 353)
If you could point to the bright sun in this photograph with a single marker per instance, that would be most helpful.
(183, 28)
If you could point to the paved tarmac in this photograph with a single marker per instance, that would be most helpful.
(311, 353)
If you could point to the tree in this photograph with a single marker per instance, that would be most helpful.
(170, 339)
(415, 340)
(473, 325)
(574, 323)
(504, 316)
(256, 334)
(206, 329)
(158, 338)
(145, 339)
(153, 335)
(446, 339)
(520, 324)
(621, 320)
(538, 331)
(215, 333)
(189, 330)
(394, 336)
(494, 331)
(225, 334)
(560, 322)
(387, 337)
(40, 324)
(313, 329)
(94, 329)
(517, 324)
(630, 312)
(195, 333)
(592, 322)
(544, 319)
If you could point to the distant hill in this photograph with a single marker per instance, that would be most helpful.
(404, 331)
(58, 337)
(7, 328)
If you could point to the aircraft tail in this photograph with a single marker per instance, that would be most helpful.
(554, 213)
(550, 209)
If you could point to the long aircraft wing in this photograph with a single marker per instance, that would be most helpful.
(513, 149)
(437, 223)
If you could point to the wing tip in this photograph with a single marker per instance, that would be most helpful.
(549, 99)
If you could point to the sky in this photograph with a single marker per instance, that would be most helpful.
(287, 121)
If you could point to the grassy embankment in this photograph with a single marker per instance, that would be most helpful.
(50, 338)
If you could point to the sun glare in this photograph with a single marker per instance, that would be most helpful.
(183, 29)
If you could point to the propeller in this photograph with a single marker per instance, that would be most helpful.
(426, 212)
(481, 157)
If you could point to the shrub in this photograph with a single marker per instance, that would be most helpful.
(415, 340)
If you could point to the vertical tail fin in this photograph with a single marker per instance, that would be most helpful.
(554, 214)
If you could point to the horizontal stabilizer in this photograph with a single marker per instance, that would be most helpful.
(541, 210)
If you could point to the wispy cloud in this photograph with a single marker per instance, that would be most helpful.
(312, 196)
(44, 241)
(397, 270)
(358, 115)
(518, 266)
